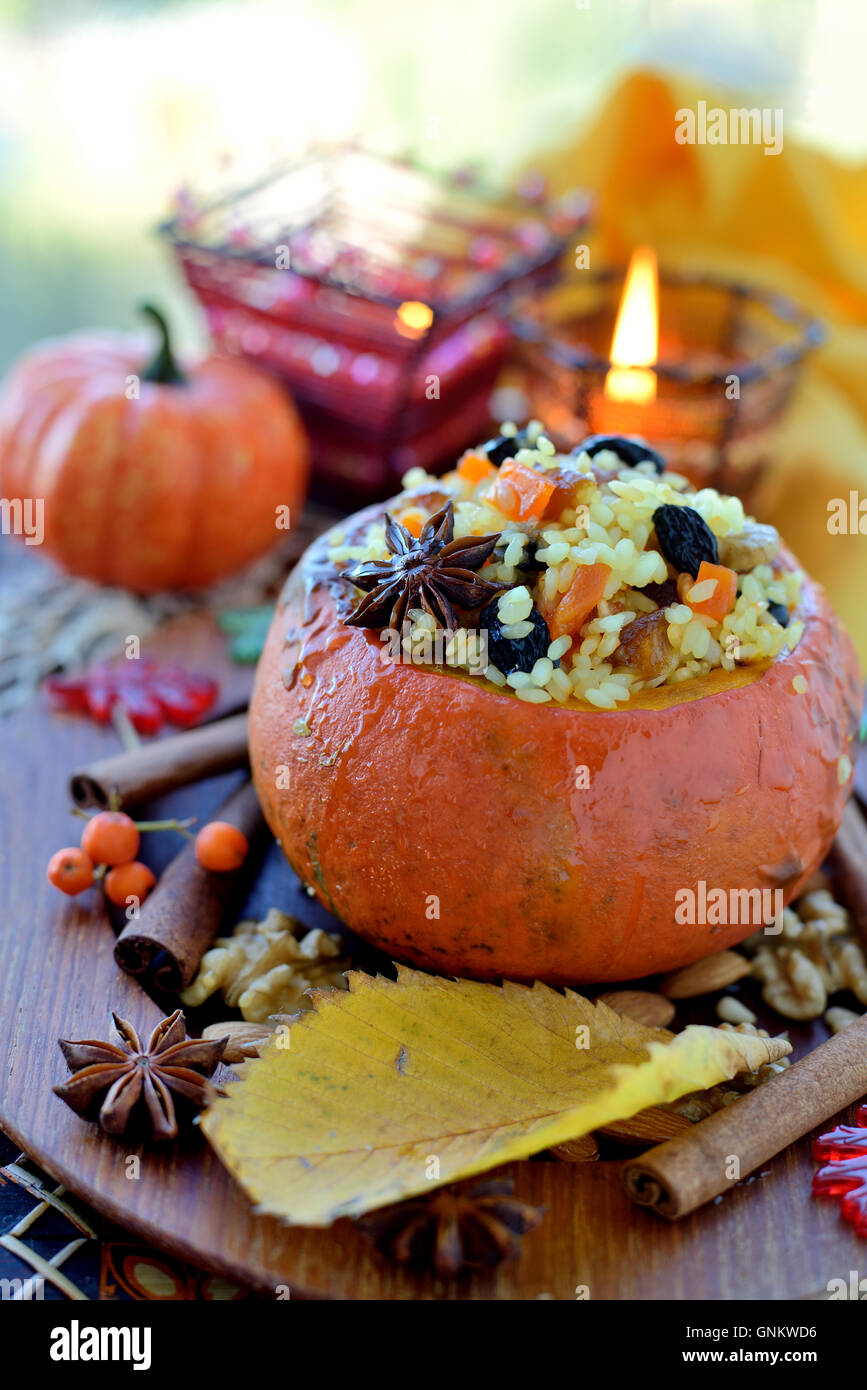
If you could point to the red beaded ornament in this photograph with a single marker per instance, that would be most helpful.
(846, 1174)
(148, 693)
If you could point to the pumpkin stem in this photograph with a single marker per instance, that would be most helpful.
(162, 367)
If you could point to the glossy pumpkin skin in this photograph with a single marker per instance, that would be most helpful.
(448, 823)
(172, 489)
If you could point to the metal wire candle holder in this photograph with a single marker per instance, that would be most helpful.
(729, 358)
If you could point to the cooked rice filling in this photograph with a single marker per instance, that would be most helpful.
(638, 635)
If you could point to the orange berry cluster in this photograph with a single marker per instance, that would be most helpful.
(109, 845)
(111, 839)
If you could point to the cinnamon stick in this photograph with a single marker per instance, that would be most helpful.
(684, 1173)
(162, 765)
(848, 856)
(180, 919)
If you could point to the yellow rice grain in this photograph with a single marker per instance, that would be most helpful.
(559, 647)
(533, 695)
(699, 592)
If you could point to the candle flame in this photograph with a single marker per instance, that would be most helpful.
(635, 344)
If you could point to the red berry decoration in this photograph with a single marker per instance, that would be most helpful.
(221, 846)
(133, 880)
(111, 838)
(148, 693)
(70, 870)
(846, 1174)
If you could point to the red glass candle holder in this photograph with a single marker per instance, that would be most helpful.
(379, 294)
(728, 360)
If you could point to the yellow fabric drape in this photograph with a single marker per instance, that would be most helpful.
(795, 221)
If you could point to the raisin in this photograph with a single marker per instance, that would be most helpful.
(685, 538)
(780, 612)
(630, 449)
(505, 446)
(571, 488)
(645, 648)
(663, 595)
(528, 559)
(509, 654)
(527, 562)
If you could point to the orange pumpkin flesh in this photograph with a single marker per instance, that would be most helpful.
(171, 488)
(447, 822)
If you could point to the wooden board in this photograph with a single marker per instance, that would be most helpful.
(767, 1240)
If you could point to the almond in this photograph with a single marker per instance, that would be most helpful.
(640, 1005)
(705, 976)
(651, 1126)
(583, 1150)
(244, 1038)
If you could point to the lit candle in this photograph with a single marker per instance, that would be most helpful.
(635, 344)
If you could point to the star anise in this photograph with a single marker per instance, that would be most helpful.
(453, 1230)
(113, 1078)
(434, 572)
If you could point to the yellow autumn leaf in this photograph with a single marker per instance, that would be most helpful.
(346, 1110)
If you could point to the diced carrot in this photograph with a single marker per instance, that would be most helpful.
(519, 492)
(579, 600)
(474, 468)
(722, 600)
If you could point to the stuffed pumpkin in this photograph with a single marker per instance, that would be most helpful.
(506, 725)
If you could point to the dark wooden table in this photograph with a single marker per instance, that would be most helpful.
(768, 1239)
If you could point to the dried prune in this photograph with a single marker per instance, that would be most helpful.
(630, 449)
(685, 538)
(780, 612)
(510, 654)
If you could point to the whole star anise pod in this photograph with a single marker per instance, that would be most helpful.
(434, 572)
(452, 1230)
(113, 1078)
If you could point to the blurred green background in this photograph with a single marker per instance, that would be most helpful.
(108, 109)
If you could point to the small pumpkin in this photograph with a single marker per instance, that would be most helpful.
(445, 821)
(152, 477)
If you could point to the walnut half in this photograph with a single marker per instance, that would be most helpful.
(265, 968)
(792, 983)
(813, 956)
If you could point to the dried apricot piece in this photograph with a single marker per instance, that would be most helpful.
(579, 600)
(474, 468)
(721, 599)
(519, 492)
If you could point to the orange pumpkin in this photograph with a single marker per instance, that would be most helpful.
(151, 478)
(451, 824)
